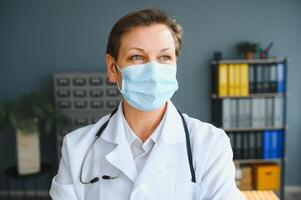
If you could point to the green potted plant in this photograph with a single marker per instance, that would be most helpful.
(247, 49)
(28, 116)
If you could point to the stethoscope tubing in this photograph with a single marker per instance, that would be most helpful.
(107, 177)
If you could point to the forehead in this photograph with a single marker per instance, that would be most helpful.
(155, 36)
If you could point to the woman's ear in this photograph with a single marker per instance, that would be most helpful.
(111, 69)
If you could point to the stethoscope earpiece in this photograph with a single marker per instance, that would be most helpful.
(106, 177)
(94, 180)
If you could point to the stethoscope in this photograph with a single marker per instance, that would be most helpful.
(107, 177)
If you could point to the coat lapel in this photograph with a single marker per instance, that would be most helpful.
(121, 156)
(163, 156)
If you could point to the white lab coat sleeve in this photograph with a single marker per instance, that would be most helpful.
(62, 187)
(219, 171)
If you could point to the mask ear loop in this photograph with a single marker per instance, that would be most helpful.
(116, 65)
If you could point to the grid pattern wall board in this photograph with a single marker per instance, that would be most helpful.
(85, 98)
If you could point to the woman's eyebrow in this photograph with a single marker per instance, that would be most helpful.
(135, 48)
(139, 49)
(165, 49)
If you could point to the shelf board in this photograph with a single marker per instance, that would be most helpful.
(248, 161)
(253, 61)
(259, 95)
(252, 129)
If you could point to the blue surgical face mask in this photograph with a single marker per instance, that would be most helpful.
(148, 86)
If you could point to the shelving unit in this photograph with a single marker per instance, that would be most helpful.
(217, 106)
(244, 161)
(263, 95)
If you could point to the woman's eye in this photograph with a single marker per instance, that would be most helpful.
(165, 58)
(136, 57)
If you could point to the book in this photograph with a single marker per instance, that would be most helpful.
(280, 78)
(269, 112)
(244, 113)
(239, 145)
(266, 145)
(261, 112)
(277, 141)
(241, 113)
(226, 113)
(244, 85)
(251, 78)
(255, 109)
(252, 146)
(259, 78)
(231, 82)
(273, 78)
(280, 143)
(234, 113)
(245, 146)
(222, 80)
(237, 80)
(235, 154)
(247, 113)
(274, 139)
(265, 78)
(258, 145)
(278, 112)
(231, 137)
(217, 112)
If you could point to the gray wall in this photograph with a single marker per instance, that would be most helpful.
(40, 37)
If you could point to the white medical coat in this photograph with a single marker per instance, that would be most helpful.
(166, 174)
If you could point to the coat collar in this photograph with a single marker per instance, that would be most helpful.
(114, 132)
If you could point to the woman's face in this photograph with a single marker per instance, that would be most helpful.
(141, 45)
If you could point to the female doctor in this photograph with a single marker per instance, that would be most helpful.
(146, 149)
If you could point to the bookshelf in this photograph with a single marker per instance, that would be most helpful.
(248, 102)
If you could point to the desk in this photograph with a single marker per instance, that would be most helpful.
(259, 195)
(12, 173)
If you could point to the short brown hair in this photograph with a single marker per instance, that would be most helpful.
(144, 17)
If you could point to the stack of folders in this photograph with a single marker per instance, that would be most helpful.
(260, 195)
(245, 79)
(249, 113)
(257, 145)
